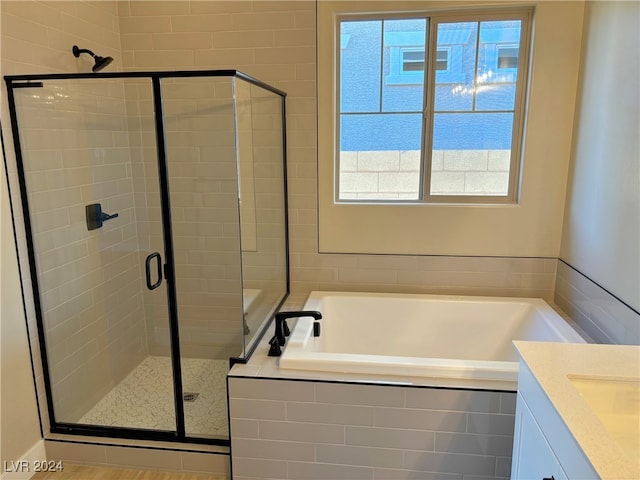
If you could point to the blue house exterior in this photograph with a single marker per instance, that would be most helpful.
(382, 84)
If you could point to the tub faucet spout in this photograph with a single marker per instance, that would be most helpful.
(282, 329)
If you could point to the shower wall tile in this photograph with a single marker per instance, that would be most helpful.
(158, 8)
(146, 24)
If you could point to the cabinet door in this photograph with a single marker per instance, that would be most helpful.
(533, 457)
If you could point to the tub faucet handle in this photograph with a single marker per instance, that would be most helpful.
(282, 329)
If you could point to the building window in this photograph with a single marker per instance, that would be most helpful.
(413, 60)
(507, 57)
(442, 59)
(430, 109)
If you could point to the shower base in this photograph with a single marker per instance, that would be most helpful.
(144, 399)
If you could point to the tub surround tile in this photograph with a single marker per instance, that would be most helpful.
(258, 409)
(397, 474)
(508, 403)
(353, 394)
(274, 450)
(360, 456)
(314, 471)
(421, 419)
(464, 401)
(336, 436)
(516, 277)
(450, 463)
(503, 467)
(605, 318)
(473, 444)
(328, 413)
(259, 468)
(312, 432)
(298, 392)
(390, 437)
(498, 424)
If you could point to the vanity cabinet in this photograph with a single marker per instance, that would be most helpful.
(533, 458)
(543, 446)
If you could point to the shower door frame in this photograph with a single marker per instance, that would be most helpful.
(179, 435)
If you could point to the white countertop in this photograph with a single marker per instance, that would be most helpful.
(562, 369)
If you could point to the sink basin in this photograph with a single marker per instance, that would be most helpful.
(616, 403)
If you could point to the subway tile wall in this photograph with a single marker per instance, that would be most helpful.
(284, 429)
(602, 316)
(75, 153)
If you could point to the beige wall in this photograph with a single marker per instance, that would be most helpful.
(601, 235)
(19, 422)
(530, 228)
(20, 427)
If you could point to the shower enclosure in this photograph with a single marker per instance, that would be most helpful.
(154, 206)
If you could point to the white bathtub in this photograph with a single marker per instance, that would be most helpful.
(456, 337)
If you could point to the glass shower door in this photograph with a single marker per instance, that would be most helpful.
(200, 138)
(89, 165)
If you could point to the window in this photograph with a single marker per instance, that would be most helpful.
(430, 108)
(527, 223)
(442, 59)
(412, 60)
(507, 57)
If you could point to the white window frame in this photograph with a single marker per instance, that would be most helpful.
(530, 227)
(400, 77)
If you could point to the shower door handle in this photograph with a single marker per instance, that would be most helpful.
(156, 255)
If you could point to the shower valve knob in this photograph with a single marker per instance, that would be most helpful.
(95, 216)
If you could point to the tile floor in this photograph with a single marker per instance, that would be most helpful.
(144, 399)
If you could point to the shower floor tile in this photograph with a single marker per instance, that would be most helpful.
(144, 399)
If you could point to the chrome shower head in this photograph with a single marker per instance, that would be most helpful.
(100, 62)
